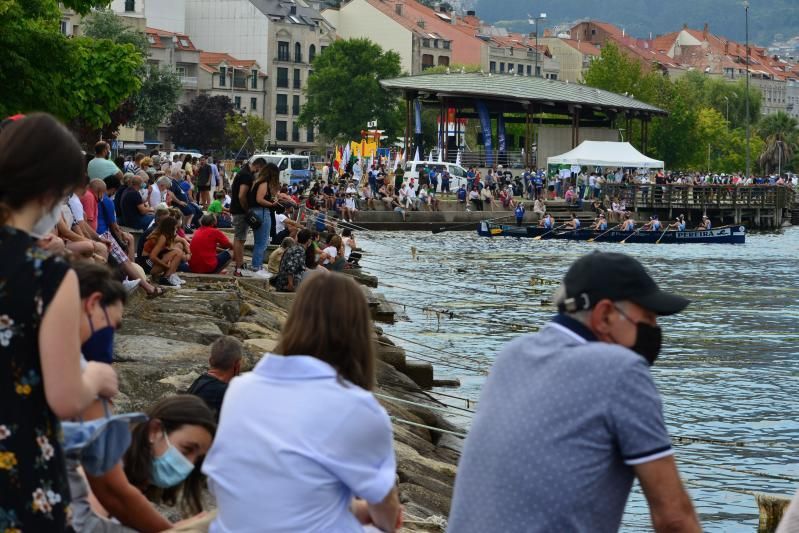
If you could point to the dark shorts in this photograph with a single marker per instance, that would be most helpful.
(222, 259)
(204, 189)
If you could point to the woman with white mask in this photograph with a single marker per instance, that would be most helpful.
(40, 371)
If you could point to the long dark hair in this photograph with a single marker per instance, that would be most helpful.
(342, 333)
(39, 158)
(173, 412)
(167, 228)
(270, 175)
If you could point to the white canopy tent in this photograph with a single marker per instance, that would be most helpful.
(605, 154)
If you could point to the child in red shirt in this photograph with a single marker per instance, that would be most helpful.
(209, 248)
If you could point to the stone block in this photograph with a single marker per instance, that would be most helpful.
(393, 355)
(260, 346)
(420, 372)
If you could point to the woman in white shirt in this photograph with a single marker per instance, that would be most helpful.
(317, 454)
(159, 192)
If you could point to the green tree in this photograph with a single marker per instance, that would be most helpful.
(454, 68)
(157, 98)
(344, 92)
(248, 131)
(201, 123)
(105, 24)
(104, 76)
(780, 133)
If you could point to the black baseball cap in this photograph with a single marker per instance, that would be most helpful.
(617, 277)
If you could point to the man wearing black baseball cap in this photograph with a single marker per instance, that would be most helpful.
(569, 416)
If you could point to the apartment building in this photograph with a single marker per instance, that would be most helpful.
(575, 57)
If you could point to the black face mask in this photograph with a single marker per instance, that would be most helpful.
(648, 340)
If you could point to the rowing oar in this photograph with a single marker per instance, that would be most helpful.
(662, 235)
(458, 226)
(633, 234)
(592, 239)
(548, 232)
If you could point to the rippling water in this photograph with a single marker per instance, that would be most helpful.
(729, 369)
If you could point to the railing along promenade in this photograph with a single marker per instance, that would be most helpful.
(766, 201)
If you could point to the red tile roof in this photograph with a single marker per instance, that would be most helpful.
(209, 61)
(181, 40)
(584, 47)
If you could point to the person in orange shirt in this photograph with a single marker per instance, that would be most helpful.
(209, 248)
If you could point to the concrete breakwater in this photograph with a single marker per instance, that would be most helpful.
(163, 347)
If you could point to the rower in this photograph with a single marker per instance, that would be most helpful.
(629, 224)
(601, 224)
(679, 223)
(573, 223)
(705, 224)
(546, 222)
(653, 224)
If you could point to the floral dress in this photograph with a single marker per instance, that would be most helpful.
(292, 264)
(34, 494)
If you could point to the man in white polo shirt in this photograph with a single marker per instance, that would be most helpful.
(570, 416)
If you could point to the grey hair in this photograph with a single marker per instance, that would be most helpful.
(287, 243)
(559, 298)
(163, 180)
(225, 352)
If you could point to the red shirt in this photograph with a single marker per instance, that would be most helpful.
(89, 203)
(203, 249)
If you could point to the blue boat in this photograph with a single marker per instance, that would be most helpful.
(723, 235)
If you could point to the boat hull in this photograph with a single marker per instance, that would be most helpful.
(727, 235)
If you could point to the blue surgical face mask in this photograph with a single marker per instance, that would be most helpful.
(170, 469)
(100, 346)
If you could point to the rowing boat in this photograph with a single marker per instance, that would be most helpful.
(725, 235)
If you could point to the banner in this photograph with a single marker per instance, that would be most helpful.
(501, 134)
(485, 126)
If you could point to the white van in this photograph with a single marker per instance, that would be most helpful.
(172, 155)
(293, 168)
(457, 174)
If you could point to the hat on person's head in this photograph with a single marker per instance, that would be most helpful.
(600, 275)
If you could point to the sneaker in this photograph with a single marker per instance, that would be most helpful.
(263, 274)
(130, 285)
(188, 230)
(175, 279)
(167, 283)
(237, 273)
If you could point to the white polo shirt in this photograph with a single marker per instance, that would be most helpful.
(294, 445)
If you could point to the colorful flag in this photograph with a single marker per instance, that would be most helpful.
(416, 155)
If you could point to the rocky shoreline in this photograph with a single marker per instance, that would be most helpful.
(163, 346)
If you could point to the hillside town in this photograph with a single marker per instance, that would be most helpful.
(264, 69)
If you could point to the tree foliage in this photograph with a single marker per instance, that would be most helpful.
(344, 92)
(157, 98)
(105, 24)
(201, 124)
(454, 68)
(780, 133)
(239, 129)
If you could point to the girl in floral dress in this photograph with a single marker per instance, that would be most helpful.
(40, 374)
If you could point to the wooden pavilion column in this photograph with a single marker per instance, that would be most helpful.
(528, 136)
(408, 155)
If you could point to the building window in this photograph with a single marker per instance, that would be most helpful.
(254, 79)
(282, 51)
(426, 43)
(435, 43)
(222, 76)
(529, 70)
(282, 107)
(537, 72)
(502, 68)
(322, 49)
(283, 77)
(130, 5)
(295, 133)
(309, 135)
(398, 9)
(427, 61)
(553, 76)
(237, 102)
(298, 53)
(311, 53)
(253, 104)
(446, 45)
(443, 61)
(281, 131)
(295, 105)
(297, 83)
(64, 27)
(492, 66)
(180, 72)
(520, 70)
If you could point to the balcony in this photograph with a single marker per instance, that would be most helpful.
(188, 82)
(282, 109)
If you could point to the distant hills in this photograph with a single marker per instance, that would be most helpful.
(768, 19)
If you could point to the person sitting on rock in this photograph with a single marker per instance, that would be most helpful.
(210, 248)
(292, 267)
(273, 265)
(224, 365)
(159, 258)
(304, 422)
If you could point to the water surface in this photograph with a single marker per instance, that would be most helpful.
(729, 370)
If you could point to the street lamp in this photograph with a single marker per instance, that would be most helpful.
(779, 159)
(534, 20)
(728, 111)
(748, 163)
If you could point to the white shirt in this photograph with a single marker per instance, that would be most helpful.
(155, 196)
(347, 247)
(294, 462)
(76, 208)
(279, 224)
(349, 203)
(332, 252)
